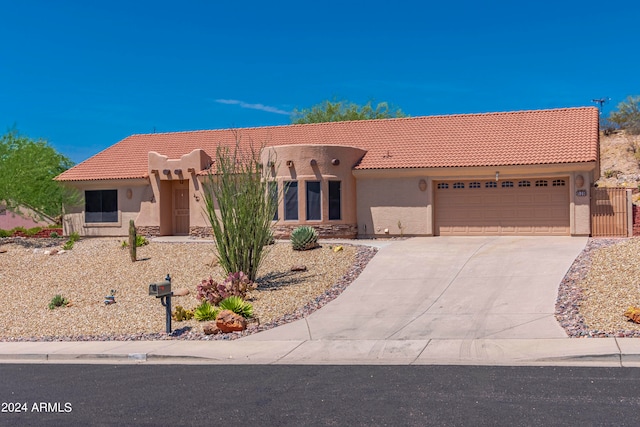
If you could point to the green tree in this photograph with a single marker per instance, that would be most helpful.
(340, 111)
(27, 169)
(239, 209)
(627, 116)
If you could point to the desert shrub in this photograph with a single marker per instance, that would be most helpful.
(180, 314)
(237, 305)
(140, 241)
(58, 301)
(236, 284)
(5, 233)
(205, 311)
(18, 230)
(33, 231)
(74, 237)
(54, 235)
(68, 245)
(304, 238)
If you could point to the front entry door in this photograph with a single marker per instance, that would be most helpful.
(181, 211)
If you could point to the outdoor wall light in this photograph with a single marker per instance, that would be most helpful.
(497, 176)
(422, 185)
(579, 181)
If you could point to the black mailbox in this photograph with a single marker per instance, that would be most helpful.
(160, 289)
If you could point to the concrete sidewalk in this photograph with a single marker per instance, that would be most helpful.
(477, 301)
(605, 352)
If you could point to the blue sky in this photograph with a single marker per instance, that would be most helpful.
(84, 75)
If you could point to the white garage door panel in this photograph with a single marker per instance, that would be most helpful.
(517, 210)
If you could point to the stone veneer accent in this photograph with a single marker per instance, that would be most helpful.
(201, 232)
(280, 231)
(341, 231)
(150, 230)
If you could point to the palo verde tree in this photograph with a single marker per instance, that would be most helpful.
(240, 208)
(27, 169)
(340, 111)
(627, 116)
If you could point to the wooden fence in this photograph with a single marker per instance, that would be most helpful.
(609, 216)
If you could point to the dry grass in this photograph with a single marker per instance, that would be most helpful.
(86, 274)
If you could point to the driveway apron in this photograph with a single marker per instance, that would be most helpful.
(447, 288)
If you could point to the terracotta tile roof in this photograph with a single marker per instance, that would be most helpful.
(493, 139)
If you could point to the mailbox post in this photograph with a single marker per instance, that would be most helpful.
(163, 291)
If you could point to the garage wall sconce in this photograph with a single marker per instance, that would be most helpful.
(579, 181)
(422, 185)
(497, 176)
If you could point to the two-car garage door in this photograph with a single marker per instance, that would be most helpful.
(537, 206)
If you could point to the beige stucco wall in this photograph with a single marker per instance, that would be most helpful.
(386, 197)
(131, 194)
(322, 163)
(394, 206)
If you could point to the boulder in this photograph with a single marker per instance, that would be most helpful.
(181, 292)
(211, 329)
(633, 313)
(228, 321)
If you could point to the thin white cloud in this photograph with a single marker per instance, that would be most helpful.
(260, 107)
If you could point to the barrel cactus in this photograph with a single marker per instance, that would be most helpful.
(303, 238)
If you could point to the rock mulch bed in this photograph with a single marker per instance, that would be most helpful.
(87, 273)
(602, 283)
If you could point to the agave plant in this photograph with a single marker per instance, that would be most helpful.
(304, 238)
(205, 311)
(238, 306)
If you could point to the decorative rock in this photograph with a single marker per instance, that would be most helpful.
(53, 252)
(633, 313)
(228, 321)
(211, 329)
(181, 292)
(299, 268)
(338, 249)
(3, 251)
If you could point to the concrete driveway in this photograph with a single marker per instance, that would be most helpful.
(447, 288)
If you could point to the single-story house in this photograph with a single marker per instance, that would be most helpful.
(505, 173)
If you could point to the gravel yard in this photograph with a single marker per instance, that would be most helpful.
(601, 284)
(87, 273)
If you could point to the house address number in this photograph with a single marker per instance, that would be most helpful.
(581, 193)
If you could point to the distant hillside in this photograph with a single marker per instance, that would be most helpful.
(619, 161)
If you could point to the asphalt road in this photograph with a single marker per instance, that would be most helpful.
(159, 395)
